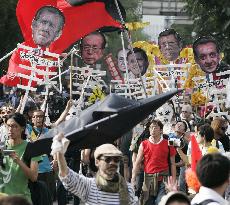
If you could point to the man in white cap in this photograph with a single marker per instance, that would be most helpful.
(108, 187)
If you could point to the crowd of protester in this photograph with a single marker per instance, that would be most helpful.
(155, 163)
(152, 164)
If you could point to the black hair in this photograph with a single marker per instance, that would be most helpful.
(95, 33)
(213, 170)
(202, 122)
(143, 54)
(207, 132)
(21, 120)
(157, 122)
(30, 106)
(11, 200)
(168, 32)
(186, 126)
(204, 40)
(178, 197)
(53, 10)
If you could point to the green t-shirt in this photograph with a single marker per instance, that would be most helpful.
(12, 179)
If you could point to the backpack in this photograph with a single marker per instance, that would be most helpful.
(205, 202)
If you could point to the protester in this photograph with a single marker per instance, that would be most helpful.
(5, 111)
(159, 162)
(180, 140)
(109, 187)
(204, 140)
(186, 115)
(175, 198)
(139, 137)
(14, 200)
(213, 172)
(220, 126)
(16, 175)
(45, 172)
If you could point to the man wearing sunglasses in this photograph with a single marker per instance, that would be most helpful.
(108, 187)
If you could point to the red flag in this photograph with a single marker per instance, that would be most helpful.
(196, 153)
(11, 78)
(79, 21)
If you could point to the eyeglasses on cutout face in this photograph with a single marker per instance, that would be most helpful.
(88, 48)
(109, 159)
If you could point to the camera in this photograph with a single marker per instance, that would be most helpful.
(174, 142)
(7, 152)
(4, 152)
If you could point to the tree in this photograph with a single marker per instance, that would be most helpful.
(185, 31)
(133, 14)
(212, 17)
(10, 33)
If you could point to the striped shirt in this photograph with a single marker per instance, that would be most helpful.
(86, 189)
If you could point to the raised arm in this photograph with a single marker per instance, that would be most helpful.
(64, 114)
(137, 164)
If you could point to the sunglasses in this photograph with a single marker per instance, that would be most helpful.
(109, 159)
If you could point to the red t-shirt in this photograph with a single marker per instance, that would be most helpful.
(156, 156)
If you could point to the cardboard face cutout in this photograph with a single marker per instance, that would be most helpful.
(207, 57)
(141, 60)
(165, 113)
(92, 48)
(121, 58)
(169, 47)
(47, 26)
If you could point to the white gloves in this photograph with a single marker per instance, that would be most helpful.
(60, 144)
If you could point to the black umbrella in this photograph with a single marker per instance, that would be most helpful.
(101, 123)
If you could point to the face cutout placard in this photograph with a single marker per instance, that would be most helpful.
(141, 59)
(47, 26)
(170, 44)
(121, 58)
(92, 48)
(207, 54)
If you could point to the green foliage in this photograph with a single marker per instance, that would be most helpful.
(133, 14)
(132, 9)
(212, 17)
(185, 32)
